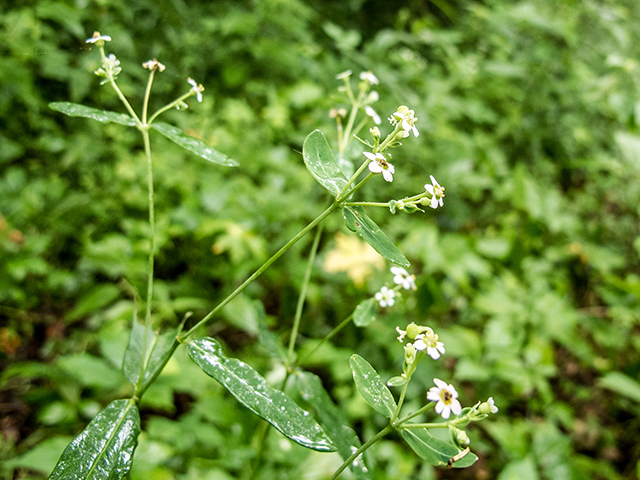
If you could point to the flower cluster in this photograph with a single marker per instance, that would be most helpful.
(406, 118)
(424, 339)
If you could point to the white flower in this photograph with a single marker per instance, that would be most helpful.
(98, 38)
(436, 192)
(345, 74)
(402, 334)
(196, 88)
(379, 164)
(369, 77)
(385, 297)
(492, 405)
(110, 67)
(402, 277)
(407, 119)
(153, 65)
(447, 398)
(429, 341)
(373, 97)
(372, 113)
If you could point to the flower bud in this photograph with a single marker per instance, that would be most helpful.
(375, 133)
(409, 353)
(488, 407)
(460, 437)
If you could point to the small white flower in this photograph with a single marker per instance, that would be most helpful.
(386, 297)
(407, 118)
(379, 164)
(372, 113)
(196, 88)
(373, 97)
(110, 67)
(98, 38)
(447, 398)
(492, 405)
(429, 341)
(436, 192)
(345, 74)
(369, 77)
(402, 334)
(402, 277)
(153, 65)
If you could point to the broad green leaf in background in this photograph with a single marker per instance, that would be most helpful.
(621, 384)
(434, 450)
(357, 221)
(332, 420)
(371, 386)
(365, 313)
(321, 163)
(253, 391)
(193, 144)
(158, 347)
(104, 450)
(104, 116)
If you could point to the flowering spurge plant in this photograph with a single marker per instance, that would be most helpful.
(104, 450)
(443, 398)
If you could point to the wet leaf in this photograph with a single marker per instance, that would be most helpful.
(332, 420)
(193, 144)
(104, 116)
(321, 163)
(253, 391)
(371, 386)
(357, 221)
(434, 450)
(104, 450)
(365, 313)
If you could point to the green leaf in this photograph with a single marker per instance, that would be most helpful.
(331, 419)
(104, 116)
(434, 450)
(253, 391)
(104, 450)
(371, 386)
(193, 144)
(621, 384)
(357, 221)
(158, 347)
(320, 162)
(365, 313)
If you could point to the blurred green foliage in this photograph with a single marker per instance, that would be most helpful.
(529, 115)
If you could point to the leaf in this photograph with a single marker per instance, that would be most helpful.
(158, 347)
(357, 221)
(103, 116)
(104, 450)
(193, 144)
(371, 386)
(320, 162)
(434, 450)
(253, 391)
(332, 420)
(621, 384)
(365, 313)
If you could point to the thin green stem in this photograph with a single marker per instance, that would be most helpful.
(336, 329)
(354, 189)
(259, 272)
(426, 408)
(303, 294)
(366, 204)
(126, 103)
(171, 105)
(147, 94)
(385, 431)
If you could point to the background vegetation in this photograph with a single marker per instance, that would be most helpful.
(529, 115)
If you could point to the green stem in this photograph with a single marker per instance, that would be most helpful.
(354, 189)
(259, 272)
(366, 204)
(349, 461)
(126, 103)
(171, 105)
(147, 94)
(303, 294)
(426, 408)
(342, 324)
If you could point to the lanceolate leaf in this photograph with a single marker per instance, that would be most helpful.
(104, 116)
(253, 391)
(365, 312)
(332, 420)
(357, 221)
(104, 450)
(371, 386)
(157, 348)
(434, 450)
(321, 163)
(193, 144)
